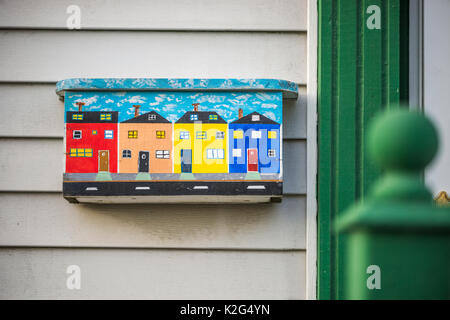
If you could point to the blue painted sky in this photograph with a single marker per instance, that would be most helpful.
(172, 105)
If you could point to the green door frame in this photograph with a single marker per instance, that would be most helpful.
(360, 71)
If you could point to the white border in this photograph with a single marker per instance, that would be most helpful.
(416, 54)
(311, 161)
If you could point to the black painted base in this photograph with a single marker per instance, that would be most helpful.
(171, 191)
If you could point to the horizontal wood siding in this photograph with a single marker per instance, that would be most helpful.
(144, 251)
(152, 274)
(47, 220)
(254, 15)
(55, 55)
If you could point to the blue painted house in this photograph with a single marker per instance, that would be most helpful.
(254, 144)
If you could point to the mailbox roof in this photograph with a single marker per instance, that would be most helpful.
(202, 116)
(144, 118)
(288, 88)
(91, 116)
(249, 119)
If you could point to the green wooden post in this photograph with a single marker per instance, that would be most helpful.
(360, 71)
(398, 241)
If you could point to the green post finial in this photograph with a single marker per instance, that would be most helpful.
(397, 243)
(402, 140)
(402, 143)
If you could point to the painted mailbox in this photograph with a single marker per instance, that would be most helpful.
(173, 140)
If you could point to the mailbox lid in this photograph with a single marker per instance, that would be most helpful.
(288, 88)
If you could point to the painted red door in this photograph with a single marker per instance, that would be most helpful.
(252, 160)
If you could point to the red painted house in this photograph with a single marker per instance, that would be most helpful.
(91, 141)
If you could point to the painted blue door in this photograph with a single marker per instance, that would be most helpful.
(186, 160)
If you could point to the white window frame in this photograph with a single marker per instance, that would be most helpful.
(237, 153)
(273, 151)
(162, 154)
(193, 117)
(77, 131)
(152, 116)
(202, 134)
(256, 134)
(220, 135)
(215, 154)
(128, 152)
(184, 135)
(256, 117)
(109, 133)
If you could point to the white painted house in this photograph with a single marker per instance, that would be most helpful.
(49, 246)
(151, 251)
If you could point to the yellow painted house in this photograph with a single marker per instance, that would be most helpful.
(200, 143)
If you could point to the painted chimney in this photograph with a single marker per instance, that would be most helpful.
(196, 106)
(240, 113)
(136, 110)
(80, 106)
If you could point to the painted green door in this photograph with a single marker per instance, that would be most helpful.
(362, 66)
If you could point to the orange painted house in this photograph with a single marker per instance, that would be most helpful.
(145, 144)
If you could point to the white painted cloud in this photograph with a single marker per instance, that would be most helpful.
(134, 99)
(269, 106)
(172, 117)
(212, 98)
(169, 107)
(87, 101)
(109, 101)
(243, 97)
(270, 115)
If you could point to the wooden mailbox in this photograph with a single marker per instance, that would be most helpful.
(173, 140)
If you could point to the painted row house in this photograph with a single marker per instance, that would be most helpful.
(145, 144)
(91, 141)
(199, 142)
(254, 144)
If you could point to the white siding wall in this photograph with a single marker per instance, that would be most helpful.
(436, 84)
(144, 251)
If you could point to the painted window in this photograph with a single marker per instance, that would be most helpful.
(77, 117)
(238, 134)
(105, 117)
(132, 134)
(272, 134)
(200, 135)
(94, 132)
(215, 153)
(76, 134)
(213, 117)
(109, 134)
(220, 135)
(194, 117)
(237, 153)
(162, 154)
(160, 134)
(126, 153)
(152, 116)
(256, 134)
(255, 117)
(271, 153)
(81, 152)
(184, 135)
